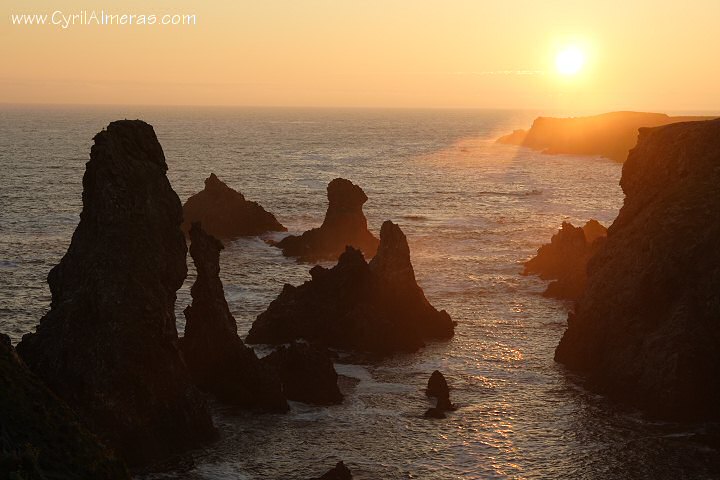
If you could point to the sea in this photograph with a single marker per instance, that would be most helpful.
(473, 212)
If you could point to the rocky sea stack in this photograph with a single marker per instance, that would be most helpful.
(376, 306)
(217, 358)
(108, 345)
(611, 135)
(40, 437)
(564, 260)
(438, 388)
(306, 372)
(224, 212)
(345, 224)
(646, 329)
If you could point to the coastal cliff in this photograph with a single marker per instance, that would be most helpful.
(646, 329)
(108, 345)
(609, 135)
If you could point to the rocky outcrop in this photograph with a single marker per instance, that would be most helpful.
(376, 306)
(345, 224)
(307, 373)
(610, 135)
(565, 259)
(108, 345)
(438, 388)
(218, 360)
(225, 213)
(40, 437)
(646, 329)
(339, 472)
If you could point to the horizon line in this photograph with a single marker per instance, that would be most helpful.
(348, 107)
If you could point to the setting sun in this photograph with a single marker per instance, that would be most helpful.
(570, 61)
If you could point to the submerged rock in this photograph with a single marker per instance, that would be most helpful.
(339, 472)
(225, 213)
(345, 224)
(218, 360)
(40, 437)
(646, 329)
(108, 345)
(611, 135)
(376, 307)
(565, 259)
(307, 373)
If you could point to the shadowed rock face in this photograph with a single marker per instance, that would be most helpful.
(646, 329)
(611, 135)
(217, 359)
(225, 213)
(375, 307)
(40, 437)
(339, 472)
(565, 259)
(108, 345)
(307, 373)
(344, 224)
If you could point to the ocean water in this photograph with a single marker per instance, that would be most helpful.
(473, 211)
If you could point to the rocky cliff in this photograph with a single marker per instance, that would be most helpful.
(218, 360)
(108, 345)
(225, 213)
(40, 437)
(610, 135)
(345, 224)
(376, 306)
(646, 329)
(564, 260)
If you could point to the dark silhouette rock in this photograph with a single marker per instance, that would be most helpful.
(40, 437)
(376, 307)
(218, 360)
(438, 388)
(437, 385)
(339, 472)
(646, 329)
(225, 213)
(108, 345)
(565, 259)
(307, 373)
(344, 224)
(611, 135)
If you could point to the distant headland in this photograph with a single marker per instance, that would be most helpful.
(610, 135)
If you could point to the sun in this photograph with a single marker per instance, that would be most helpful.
(570, 61)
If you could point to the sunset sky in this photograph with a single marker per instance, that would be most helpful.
(642, 54)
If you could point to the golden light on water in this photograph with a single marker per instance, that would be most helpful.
(570, 61)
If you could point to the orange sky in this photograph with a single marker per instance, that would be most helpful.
(641, 54)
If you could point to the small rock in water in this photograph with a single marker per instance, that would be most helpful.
(438, 388)
(339, 472)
